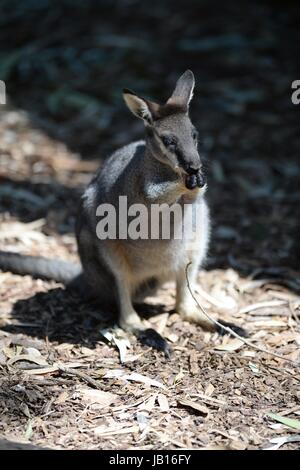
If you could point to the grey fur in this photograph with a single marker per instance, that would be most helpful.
(146, 172)
(37, 266)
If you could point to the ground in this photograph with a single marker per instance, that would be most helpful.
(64, 382)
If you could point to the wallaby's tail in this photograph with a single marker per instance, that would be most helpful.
(36, 266)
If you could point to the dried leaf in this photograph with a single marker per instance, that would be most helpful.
(142, 419)
(209, 390)
(148, 404)
(62, 398)
(134, 377)
(248, 353)
(209, 399)
(254, 368)
(161, 322)
(268, 324)
(226, 303)
(173, 337)
(117, 337)
(33, 352)
(24, 408)
(41, 370)
(105, 431)
(30, 358)
(29, 430)
(280, 441)
(65, 347)
(9, 352)
(231, 345)
(256, 306)
(194, 366)
(87, 351)
(178, 377)
(195, 406)
(237, 445)
(163, 402)
(115, 373)
(97, 397)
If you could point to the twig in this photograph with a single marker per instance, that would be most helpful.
(81, 375)
(281, 371)
(229, 330)
(259, 305)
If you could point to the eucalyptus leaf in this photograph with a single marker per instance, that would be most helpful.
(291, 423)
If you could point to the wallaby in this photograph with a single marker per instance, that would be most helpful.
(165, 168)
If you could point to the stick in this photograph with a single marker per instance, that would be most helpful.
(81, 375)
(229, 330)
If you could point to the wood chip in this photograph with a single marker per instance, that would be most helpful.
(97, 398)
(195, 406)
(193, 360)
(163, 402)
(231, 345)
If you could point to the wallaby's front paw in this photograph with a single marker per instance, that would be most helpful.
(153, 339)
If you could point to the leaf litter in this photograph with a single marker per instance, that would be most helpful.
(68, 396)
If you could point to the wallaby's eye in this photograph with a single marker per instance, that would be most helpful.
(195, 135)
(169, 142)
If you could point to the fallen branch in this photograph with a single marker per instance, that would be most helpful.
(229, 330)
(81, 375)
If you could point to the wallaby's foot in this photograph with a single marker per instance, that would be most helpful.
(193, 314)
(152, 338)
(189, 311)
(131, 322)
(147, 336)
(237, 329)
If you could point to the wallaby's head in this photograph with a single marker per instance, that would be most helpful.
(171, 136)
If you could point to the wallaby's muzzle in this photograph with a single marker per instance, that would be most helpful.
(194, 176)
(195, 179)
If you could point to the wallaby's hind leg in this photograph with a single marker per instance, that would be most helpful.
(128, 317)
(187, 307)
(130, 320)
(185, 304)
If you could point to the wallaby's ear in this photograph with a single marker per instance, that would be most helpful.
(140, 107)
(183, 92)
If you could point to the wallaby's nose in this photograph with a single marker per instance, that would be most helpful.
(191, 170)
(194, 178)
(201, 180)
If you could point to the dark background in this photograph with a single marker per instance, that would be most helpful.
(65, 64)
